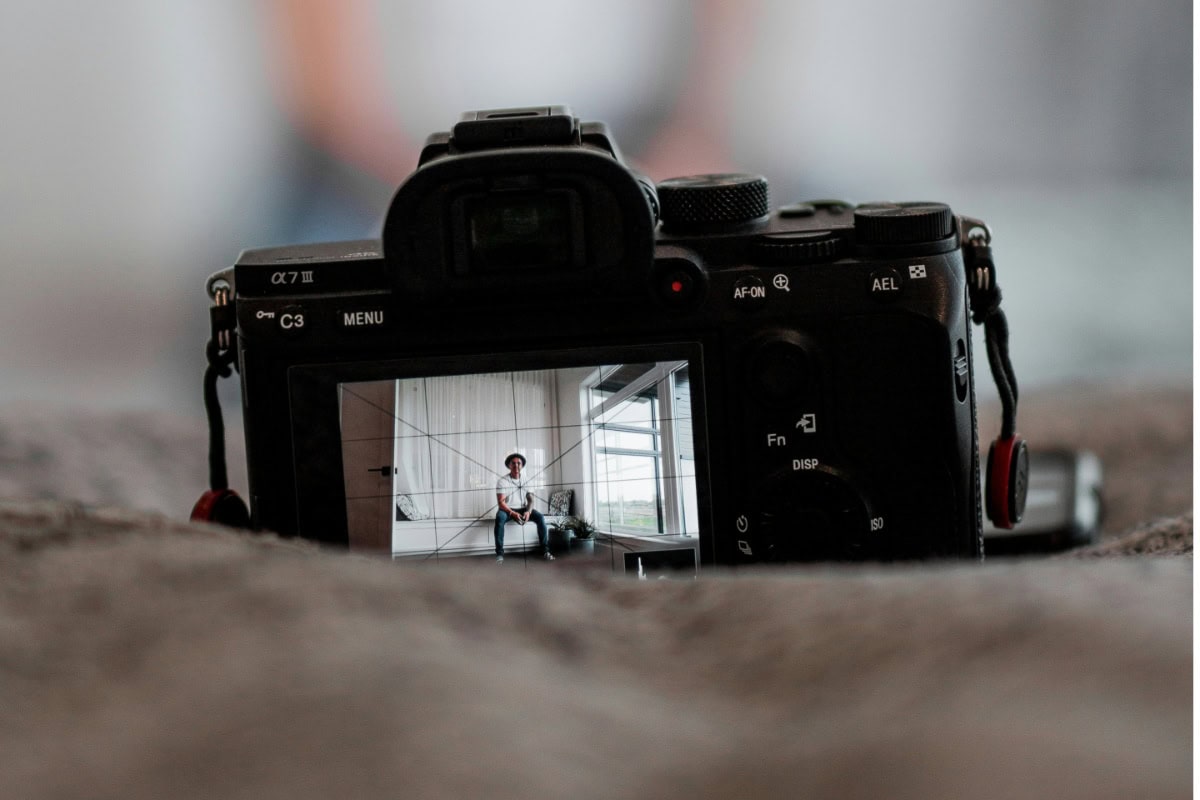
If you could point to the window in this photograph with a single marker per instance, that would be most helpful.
(644, 463)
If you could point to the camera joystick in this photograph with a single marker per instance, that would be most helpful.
(706, 201)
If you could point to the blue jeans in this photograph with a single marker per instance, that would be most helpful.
(535, 517)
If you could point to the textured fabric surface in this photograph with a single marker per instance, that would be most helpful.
(146, 657)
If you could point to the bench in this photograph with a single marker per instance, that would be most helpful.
(459, 537)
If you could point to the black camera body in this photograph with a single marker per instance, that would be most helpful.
(690, 370)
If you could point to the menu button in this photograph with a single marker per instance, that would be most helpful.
(368, 318)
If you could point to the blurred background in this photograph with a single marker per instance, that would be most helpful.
(147, 143)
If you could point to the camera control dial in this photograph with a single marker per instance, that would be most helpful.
(796, 247)
(902, 223)
(703, 201)
(813, 512)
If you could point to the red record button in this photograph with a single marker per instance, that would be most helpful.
(679, 283)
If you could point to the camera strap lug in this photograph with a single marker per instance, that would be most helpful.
(1008, 457)
(219, 504)
(222, 319)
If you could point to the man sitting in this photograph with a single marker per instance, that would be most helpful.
(511, 490)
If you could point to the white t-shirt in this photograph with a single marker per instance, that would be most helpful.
(514, 490)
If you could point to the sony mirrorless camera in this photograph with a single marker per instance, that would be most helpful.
(701, 378)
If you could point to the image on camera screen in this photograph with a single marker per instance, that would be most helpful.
(596, 463)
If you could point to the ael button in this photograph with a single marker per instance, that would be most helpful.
(885, 283)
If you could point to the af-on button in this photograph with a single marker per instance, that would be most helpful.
(749, 293)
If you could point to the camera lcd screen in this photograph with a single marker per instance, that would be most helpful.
(607, 454)
(521, 231)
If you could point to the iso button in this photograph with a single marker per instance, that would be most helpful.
(749, 293)
(885, 284)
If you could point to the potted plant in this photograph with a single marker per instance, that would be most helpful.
(580, 532)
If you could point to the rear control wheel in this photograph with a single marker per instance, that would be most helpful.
(815, 514)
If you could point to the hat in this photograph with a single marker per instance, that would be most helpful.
(508, 459)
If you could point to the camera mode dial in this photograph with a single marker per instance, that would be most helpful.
(703, 201)
(902, 223)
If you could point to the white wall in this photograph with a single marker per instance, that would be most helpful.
(574, 444)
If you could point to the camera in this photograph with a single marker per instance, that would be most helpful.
(701, 379)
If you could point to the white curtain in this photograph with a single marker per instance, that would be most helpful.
(453, 432)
